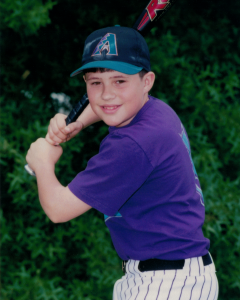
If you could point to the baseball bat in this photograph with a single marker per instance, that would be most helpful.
(154, 11)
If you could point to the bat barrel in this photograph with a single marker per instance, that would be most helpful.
(152, 13)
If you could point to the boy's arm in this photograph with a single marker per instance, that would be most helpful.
(59, 133)
(88, 117)
(58, 202)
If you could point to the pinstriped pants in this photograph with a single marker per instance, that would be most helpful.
(194, 282)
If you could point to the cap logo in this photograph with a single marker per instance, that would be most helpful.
(109, 43)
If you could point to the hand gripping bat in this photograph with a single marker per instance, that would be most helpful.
(72, 117)
(154, 11)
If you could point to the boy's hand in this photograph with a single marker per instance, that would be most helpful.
(59, 133)
(42, 154)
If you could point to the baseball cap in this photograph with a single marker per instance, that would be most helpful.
(122, 49)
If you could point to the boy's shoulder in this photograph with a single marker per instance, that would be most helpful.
(154, 129)
(155, 118)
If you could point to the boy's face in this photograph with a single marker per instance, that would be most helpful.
(116, 97)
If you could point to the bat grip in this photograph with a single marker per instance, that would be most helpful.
(72, 117)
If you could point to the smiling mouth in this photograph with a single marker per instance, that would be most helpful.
(110, 109)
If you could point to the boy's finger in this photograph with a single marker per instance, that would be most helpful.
(57, 124)
(75, 126)
(49, 140)
(54, 131)
(54, 140)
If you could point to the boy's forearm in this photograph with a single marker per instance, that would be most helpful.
(56, 200)
(88, 117)
(49, 190)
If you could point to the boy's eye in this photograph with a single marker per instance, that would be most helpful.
(96, 83)
(120, 81)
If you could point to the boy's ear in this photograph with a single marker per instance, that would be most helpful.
(149, 79)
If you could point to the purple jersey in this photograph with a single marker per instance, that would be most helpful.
(144, 181)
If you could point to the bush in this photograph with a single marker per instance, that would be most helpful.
(195, 55)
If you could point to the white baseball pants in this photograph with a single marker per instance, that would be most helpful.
(194, 282)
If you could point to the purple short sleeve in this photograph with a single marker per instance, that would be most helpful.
(113, 175)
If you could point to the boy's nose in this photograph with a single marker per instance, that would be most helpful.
(108, 93)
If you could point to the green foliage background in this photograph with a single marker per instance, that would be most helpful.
(195, 55)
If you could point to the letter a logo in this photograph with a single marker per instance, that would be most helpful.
(109, 43)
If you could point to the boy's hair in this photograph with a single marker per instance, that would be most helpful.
(102, 70)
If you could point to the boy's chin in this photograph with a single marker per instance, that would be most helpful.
(113, 123)
(116, 122)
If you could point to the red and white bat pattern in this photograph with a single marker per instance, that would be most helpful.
(154, 10)
(154, 6)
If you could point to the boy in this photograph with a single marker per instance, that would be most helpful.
(143, 178)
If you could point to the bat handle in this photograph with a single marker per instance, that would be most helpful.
(72, 117)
